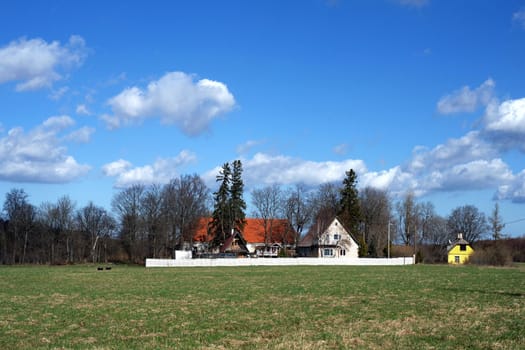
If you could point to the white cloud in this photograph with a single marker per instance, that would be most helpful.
(287, 170)
(395, 180)
(264, 169)
(505, 124)
(519, 17)
(57, 94)
(111, 121)
(82, 135)
(36, 64)
(513, 190)
(58, 123)
(474, 175)
(176, 98)
(466, 99)
(39, 155)
(82, 110)
(117, 167)
(508, 117)
(161, 171)
(455, 151)
(247, 146)
(467, 163)
(459, 168)
(341, 149)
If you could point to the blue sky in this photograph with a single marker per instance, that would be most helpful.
(414, 95)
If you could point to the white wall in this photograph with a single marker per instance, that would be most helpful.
(277, 262)
(183, 254)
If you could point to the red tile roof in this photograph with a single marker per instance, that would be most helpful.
(253, 231)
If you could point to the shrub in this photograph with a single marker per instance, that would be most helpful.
(401, 250)
(363, 248)
(495, 255)
(434, 254)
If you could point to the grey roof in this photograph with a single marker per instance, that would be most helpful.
(459, 241)
(307, 240)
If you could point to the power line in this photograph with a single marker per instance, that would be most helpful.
(515, 221)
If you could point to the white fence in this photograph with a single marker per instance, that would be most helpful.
(182, 254)
(277, 262)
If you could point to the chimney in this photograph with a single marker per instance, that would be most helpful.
(460, 235)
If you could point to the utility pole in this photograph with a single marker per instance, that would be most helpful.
(388, 242)
(415, 246)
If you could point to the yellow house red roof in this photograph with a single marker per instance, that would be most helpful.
(253, 231)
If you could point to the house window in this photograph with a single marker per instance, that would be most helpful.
(328, 252)
(463, 247)
(456, 259)
(337, 237)
(343, 252)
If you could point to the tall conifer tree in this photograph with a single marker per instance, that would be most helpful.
(229, 205)
(237, 203)
(350, 210)
(220, 226)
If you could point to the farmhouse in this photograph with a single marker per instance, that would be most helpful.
(459, 251)
(264, 238)
(328, 241)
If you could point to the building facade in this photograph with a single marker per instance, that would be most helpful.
(331, 241)
(459, 251)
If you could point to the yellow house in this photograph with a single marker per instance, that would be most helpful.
(460, 251)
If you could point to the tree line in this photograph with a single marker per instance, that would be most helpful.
(153, 221)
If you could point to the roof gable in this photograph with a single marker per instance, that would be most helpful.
(318, 230)
(234, 244)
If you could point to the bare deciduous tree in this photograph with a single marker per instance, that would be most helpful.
(57, 219)
(299, 209)
(268, 202)
(152, 218)
(327, 203)
(407, 211)
(376, 214)
(468, 221)
(496, 223)
(21, 216)
(127, 206)
(185, 202)
(96, 224)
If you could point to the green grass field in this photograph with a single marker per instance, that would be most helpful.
(405, 307)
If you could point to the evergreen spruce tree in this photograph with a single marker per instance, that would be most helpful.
(229, 206)
(237, 203)
(350, 210)
(220, 226)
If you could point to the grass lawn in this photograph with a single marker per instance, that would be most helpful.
(340, 307)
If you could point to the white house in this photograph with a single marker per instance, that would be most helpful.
(331, 241)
